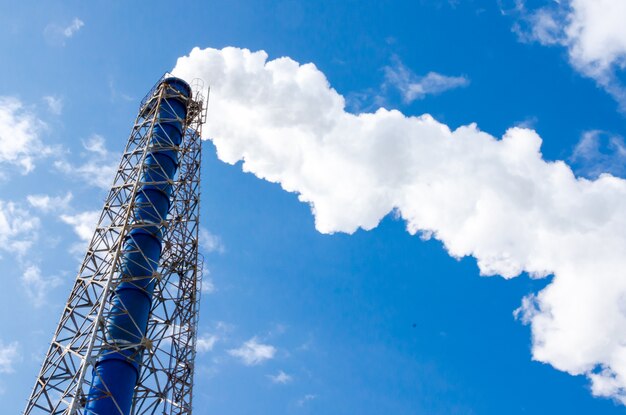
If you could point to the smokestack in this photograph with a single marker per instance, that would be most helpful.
(116, 371)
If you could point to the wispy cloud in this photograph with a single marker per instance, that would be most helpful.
(47, 203)
(252, 352)
(399, 79)
(210, 242)
(19, 228)
(83, 224)
(54, 104)
(592, 32)
(38, 287)
(96, 145)
(116, 93)
(544, 25)
(208, 285)
(20, 130)
(98, 168)
(206, 342)
(57, 35)
(413, 87)
(73, 27)
(9, 355)
(306, 399)
(281, 378)
(599, 152)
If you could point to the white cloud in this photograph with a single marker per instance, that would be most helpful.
(115, 93)
(414, 87)
(544, 25)
(599, 152)
(20, 144)
(206, 342)
(95, 144)
(36, 286)
(281, 377)
(99, 167)
(18, 229)
(593, 32)
(209, 242)
(55, 105)
(73, 27)
(9, 355)
(208, 286)
(252, 352)
(224, 326)
(49, 203)
(496, 200)
(596, 33)
(84, 224)
(305, 399)
(56, 34)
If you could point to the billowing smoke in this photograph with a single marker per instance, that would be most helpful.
(494, 199)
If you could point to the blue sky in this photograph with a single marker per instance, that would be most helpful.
(293, 320)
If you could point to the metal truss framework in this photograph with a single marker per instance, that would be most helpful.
(166, 372)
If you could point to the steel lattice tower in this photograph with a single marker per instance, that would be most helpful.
(69, 382)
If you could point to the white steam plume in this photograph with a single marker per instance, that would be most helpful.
(494, 199)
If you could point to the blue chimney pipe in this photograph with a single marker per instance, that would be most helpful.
(116, 371)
